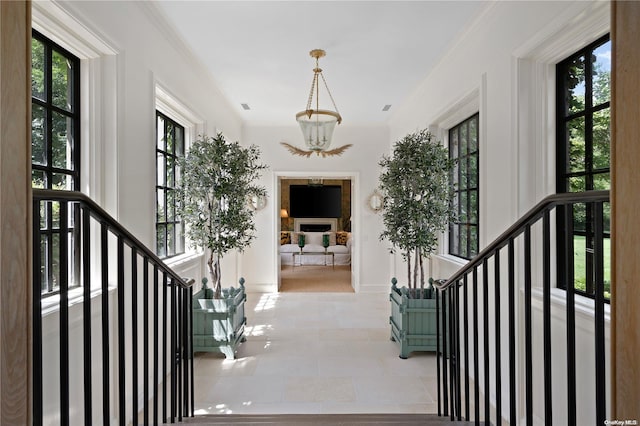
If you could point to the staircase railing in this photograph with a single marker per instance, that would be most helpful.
(135, 357)
(459, 312)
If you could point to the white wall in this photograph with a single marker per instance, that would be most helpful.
(503, 66)
(126, 52)
(371, 261)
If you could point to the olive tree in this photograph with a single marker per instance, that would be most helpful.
(416, 204)
(216, 183)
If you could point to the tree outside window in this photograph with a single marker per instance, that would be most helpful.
(583, 156)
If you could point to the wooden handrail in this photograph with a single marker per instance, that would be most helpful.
(102, 216)
(518, 227)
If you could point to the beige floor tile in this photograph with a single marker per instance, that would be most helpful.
(316, 353)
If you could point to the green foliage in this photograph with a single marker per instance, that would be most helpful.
(416, 197)
(217, 181)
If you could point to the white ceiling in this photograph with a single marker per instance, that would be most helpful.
(378, 52)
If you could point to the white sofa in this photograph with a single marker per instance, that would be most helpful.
(313, 243)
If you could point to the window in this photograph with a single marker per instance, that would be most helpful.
(55, 149)
(583, 159)
(464, 147)
(169, 148)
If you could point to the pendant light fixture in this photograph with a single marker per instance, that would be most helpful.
(318, 124)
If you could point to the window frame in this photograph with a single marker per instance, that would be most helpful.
(566, 270)
(49, 232)
(453, 240)
(178, 238)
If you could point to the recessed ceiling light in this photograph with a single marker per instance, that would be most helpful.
(386, 107)
(245, 107)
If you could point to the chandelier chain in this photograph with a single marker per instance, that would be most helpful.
(313, 85)
(329, 92)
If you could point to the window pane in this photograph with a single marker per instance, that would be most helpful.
(463, 139)
(579, 218)
(473, 209)
(62, 141)
(62, 181)
(169, 138)
(55, 262)
(474, 241)
(160, 129)
(37, 70)
(179, 141)
(577, 184)
(463, 241)
(473, 134)
(38, 132)
(580, 262)
(602, 181)
(161, 241)
(453, 134)
(601, 67)
(38, 179)
(62, 75)
(601, 139)
(462, 167)
(606, 212)
(161, 170)
(179, 237)
(473, 171)
(463, 207)
(575, 130)
(574, 86)
(170, 205)
(160, 209)
(171, 249)
(454, 239)
(170, 169)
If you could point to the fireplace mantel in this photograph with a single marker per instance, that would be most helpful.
(315, 221)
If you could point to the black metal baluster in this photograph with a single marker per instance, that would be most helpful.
(445, 350)
(165, 283)
(456, 316)
(496, 267)
(546, 320)
(485, 333)
(122, 401)
(173, 349)
(571, 320)
(512, 335)
(185, 351)
(190, 334)
(64, 312)
(465, 302)
(134, 332)
(156, 338)
(452, 352)
(37, 317)
(598, 252)
(439, 351)
(476, 361)
(528, 367)
(104, 260)
(86, 312)
(145, 337)
(178, 351)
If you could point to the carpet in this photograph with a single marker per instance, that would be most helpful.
(316, 279)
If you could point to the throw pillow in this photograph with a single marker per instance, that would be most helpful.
(341, 238)
(294, 237)
(285, 237)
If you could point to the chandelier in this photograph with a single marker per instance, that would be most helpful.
(318, 124)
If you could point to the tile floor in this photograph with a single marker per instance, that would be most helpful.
(316, 353)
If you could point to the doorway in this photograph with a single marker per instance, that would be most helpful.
(314, 268)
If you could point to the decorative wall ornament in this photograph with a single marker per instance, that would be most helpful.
(303, 153)
(374, 202)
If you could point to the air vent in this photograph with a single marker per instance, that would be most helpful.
(245, 107)
(386, 107)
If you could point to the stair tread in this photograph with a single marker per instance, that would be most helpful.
(324, 419)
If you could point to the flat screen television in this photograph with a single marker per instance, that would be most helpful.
(315, 201)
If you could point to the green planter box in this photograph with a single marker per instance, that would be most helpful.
(218, 324)
(413, 322)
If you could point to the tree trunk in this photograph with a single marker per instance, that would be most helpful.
(415, 274)
(214, 271)
(421, 278)
(409, 269)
